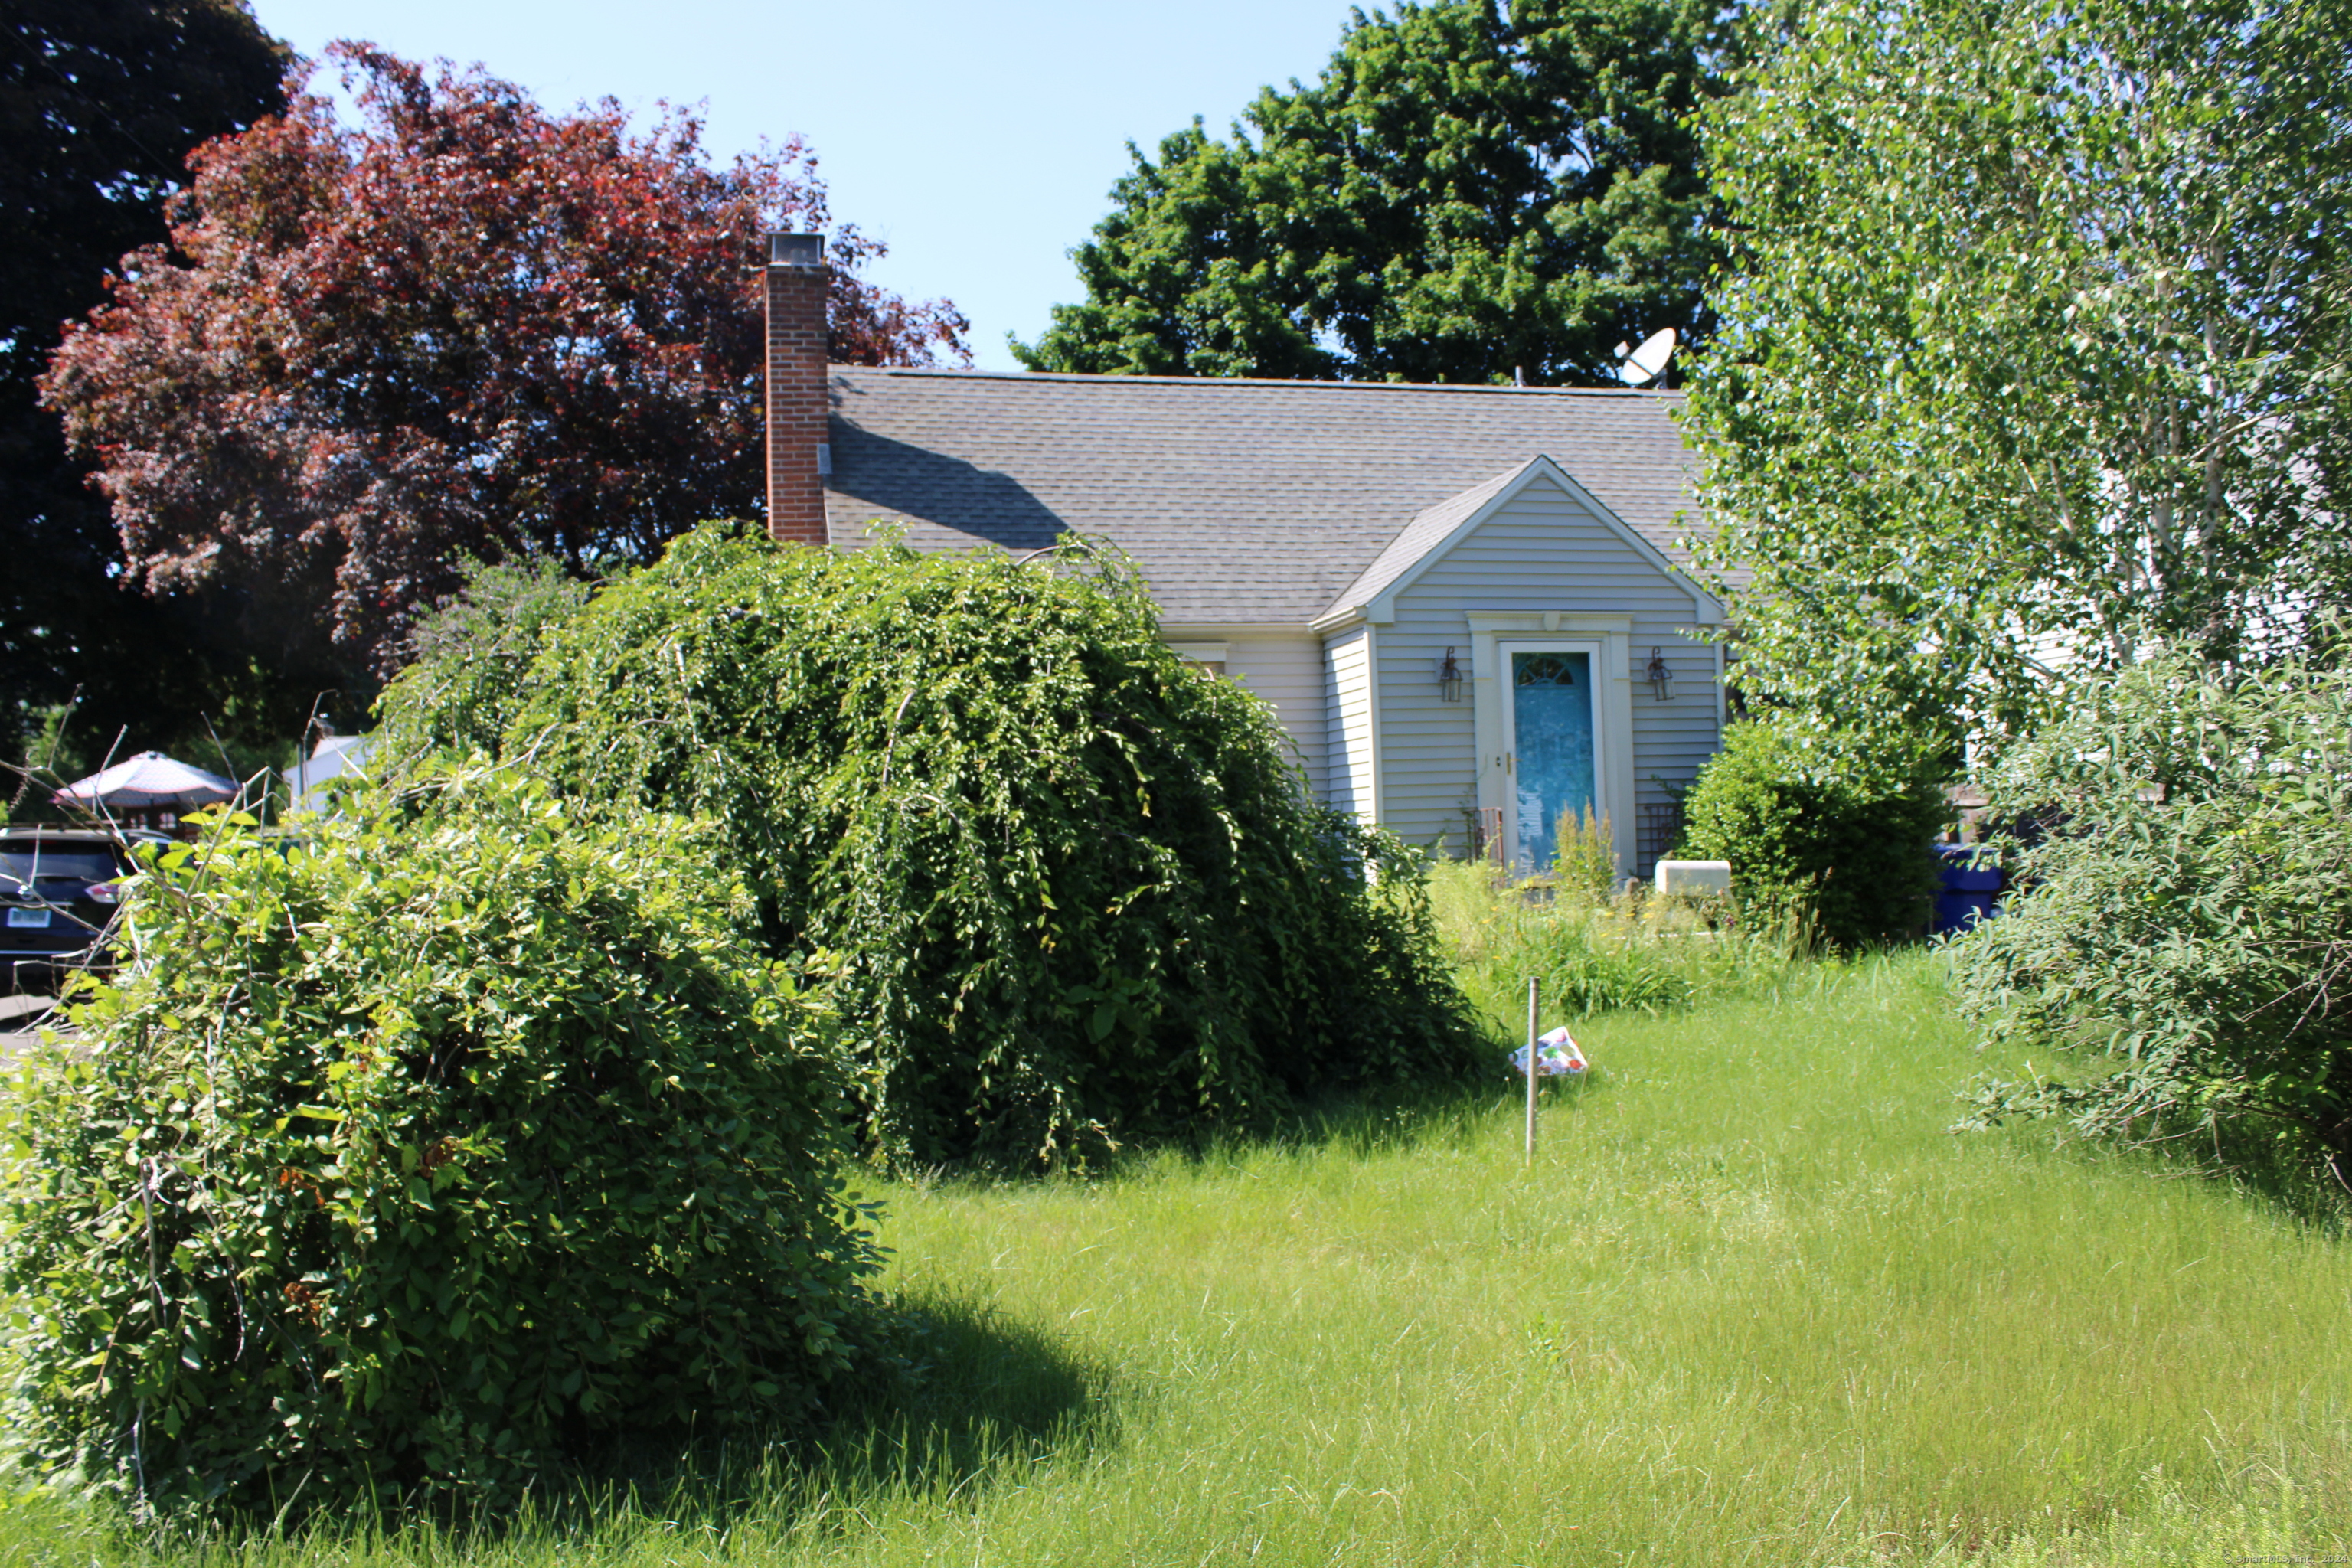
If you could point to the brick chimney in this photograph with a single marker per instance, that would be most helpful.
(798, 456)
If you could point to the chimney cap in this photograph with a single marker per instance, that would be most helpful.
(796, 250)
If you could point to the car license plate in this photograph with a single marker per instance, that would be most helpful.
(28, 919)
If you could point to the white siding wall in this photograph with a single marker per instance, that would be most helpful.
(1287, 673)
(1672, 739)
(1543, 550)
(1347, 702)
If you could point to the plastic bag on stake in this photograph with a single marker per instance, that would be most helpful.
(1557, 1055)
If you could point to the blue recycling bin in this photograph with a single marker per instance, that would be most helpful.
(1972, 889)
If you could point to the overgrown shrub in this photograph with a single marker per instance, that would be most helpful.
(1584, 972)
(472, 654)
(410, 1159)
(1584, 864)
(1630, 952)
(1078, 888)
(2186, 913)
(1812, 843)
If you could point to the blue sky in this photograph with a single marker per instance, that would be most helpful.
(979, 139)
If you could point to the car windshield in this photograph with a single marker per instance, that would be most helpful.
(22, 864)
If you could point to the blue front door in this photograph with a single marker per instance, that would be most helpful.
(1551, 725)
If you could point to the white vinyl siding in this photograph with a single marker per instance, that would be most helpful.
(1349, 756)
(1286, 674)
(1544, 550)
(1674, 738)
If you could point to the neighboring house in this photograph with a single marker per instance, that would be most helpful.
(333, 757)
(1453, 597)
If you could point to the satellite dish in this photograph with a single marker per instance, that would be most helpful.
(1648, 362)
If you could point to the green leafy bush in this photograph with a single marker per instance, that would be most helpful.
(472, 654)
(1810, 843)
(1584, 973)
(1632, 952)
(1584, 865)
(1078, 886)
(408, 1160)
(2187, 913)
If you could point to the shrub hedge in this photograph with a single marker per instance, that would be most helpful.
(2184, 913)
(1809, 843)
(406, 1160)
(1078, 888)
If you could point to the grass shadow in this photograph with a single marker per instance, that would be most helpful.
(2290, 1177)
(962, 1398)
(977, 1389)
(1367, 1123)
(1453, 1117)
(2293, 1183)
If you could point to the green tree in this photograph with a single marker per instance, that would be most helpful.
(2033, 354)
(101, 100)
(1462, 196)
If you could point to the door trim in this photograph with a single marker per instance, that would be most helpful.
(1493, 637)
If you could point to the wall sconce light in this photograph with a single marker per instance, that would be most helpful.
(1661, 679)
(1449, 677)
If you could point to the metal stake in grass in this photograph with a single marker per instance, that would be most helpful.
(1532, 983)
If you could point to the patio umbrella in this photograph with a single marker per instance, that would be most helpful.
(148, 782)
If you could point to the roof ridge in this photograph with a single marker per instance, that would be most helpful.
(1623, 394)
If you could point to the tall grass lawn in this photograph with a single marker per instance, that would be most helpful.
(1751, 1302)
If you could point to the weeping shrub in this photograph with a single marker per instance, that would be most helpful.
(2184, 915)
(1812, 845)
(472, 654)
(406, 1162)
(1078, 888)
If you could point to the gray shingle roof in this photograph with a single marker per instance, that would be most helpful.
(1424, 533)
(1244, 502)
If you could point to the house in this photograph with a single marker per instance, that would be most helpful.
(1464, 604)
(332, 757)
